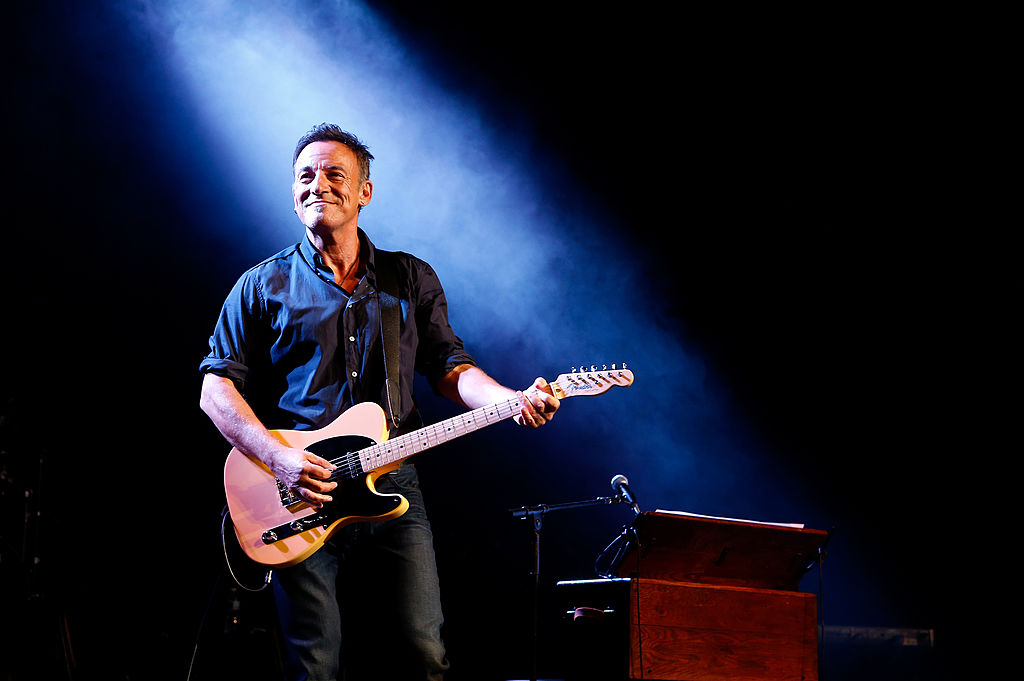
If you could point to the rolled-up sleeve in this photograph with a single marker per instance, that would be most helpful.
(440, 350)
(231, 342)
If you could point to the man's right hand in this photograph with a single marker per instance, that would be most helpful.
(299, 470)
(305, 474)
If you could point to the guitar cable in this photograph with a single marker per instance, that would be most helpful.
(216, 588)
(227, 559)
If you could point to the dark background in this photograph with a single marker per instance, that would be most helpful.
(828, 247)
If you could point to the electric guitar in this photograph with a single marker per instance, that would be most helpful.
(276, 528)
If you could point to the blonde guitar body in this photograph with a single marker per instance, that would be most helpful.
(255, 499)
(275, 528)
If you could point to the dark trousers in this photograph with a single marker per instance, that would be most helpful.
(367, 605)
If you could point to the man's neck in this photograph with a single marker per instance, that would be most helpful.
(340, 251)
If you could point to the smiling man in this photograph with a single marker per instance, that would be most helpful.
(298, 342)
(331, 187)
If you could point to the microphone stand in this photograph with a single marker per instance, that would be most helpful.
(535, 514)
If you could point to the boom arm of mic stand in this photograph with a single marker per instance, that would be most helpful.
(542, 509)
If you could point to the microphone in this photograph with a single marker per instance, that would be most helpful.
(620, 485)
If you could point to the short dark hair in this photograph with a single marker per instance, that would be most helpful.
(329, 132)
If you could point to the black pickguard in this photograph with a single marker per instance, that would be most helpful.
(352, 497)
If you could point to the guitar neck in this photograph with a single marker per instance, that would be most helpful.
(404, 446)
(583, 382)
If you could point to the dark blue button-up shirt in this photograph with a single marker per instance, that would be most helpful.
(302, 350)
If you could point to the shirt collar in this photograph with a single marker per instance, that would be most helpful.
(366, 250)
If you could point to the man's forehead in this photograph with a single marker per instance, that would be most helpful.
(324, 155)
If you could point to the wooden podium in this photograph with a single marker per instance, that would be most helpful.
(703, 599)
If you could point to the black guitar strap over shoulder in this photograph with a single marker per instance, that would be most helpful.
(390, 325)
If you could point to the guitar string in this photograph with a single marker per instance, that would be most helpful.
(350, 464)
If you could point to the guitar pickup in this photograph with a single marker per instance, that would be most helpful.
(288, 498)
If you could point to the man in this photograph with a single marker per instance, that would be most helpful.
(299, 341)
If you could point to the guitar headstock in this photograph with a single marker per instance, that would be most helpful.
(591, 380)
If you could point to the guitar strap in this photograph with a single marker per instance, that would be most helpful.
(390, 325)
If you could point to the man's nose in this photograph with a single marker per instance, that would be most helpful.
(319, 185)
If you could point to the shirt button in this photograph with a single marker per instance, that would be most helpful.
(354, 374)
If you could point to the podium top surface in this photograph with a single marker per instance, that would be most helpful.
(687, 548)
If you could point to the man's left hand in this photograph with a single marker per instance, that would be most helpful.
(539, 405)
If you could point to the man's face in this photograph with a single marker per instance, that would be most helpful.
(328, 187)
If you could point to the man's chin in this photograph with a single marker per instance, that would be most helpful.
(317, 219)
(324, 227)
